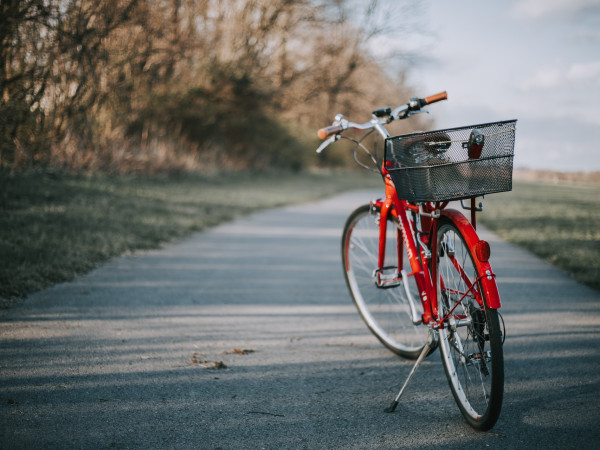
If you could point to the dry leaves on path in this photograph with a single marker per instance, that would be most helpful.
(238, 351)
(198, 359)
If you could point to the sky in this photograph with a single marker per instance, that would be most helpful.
(537, 61)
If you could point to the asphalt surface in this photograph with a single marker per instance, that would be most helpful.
(245, 337)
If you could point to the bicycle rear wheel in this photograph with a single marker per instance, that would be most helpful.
(385, 310)
(471, 340)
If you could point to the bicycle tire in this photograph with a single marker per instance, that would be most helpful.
(386, 312)
(471, 340)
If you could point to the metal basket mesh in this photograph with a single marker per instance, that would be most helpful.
(449, 164)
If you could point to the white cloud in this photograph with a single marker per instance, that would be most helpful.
(547, 78)
(587, 35)
(576, 75)
(586, 71)
(544, 70)
(534, 9)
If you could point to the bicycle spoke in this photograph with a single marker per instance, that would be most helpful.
(467, 341)
(385, 309)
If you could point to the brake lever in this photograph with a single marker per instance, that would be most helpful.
(419, 111)
(327, 142)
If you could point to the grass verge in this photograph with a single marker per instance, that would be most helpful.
(54, 226)
(556, 221)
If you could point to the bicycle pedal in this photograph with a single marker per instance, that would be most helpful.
(387, 277)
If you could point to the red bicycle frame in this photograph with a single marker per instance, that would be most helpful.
(426, 273)
(447, 261)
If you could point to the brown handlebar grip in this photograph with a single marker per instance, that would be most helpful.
(436, 98)
(328, 131)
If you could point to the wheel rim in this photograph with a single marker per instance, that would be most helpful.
(386, 311)
(465, 348)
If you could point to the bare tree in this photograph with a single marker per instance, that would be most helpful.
(87, 84)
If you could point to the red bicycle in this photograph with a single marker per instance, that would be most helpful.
(416, 269)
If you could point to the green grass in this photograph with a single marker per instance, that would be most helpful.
(54, 226)
(558, 222)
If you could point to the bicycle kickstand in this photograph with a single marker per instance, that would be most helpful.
(431, 341)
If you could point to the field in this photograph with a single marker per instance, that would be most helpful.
(54, 226)
(557, 221)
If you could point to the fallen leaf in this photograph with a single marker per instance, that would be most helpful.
(239, 351)
(197, 358)
(217, 365)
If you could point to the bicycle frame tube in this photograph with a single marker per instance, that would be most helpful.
(399, 211)
(426, 276)
(392, 205)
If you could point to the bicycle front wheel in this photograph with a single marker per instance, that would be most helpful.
(386, 310)
(471, 340)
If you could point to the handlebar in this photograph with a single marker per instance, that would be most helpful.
(435, 98)
(381, 116)
(328, 131)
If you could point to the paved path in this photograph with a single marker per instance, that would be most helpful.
(131, 355)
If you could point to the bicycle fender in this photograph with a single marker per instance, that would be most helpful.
(488, 283)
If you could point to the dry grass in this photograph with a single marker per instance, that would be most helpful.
(548, 176)
(54, 226)
(557, 221)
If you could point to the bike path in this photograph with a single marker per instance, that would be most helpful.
(244, 336)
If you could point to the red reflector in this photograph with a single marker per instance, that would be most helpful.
(475, 151)
(475, 143)
(482, 250)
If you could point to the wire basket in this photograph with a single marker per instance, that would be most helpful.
(452, 164)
